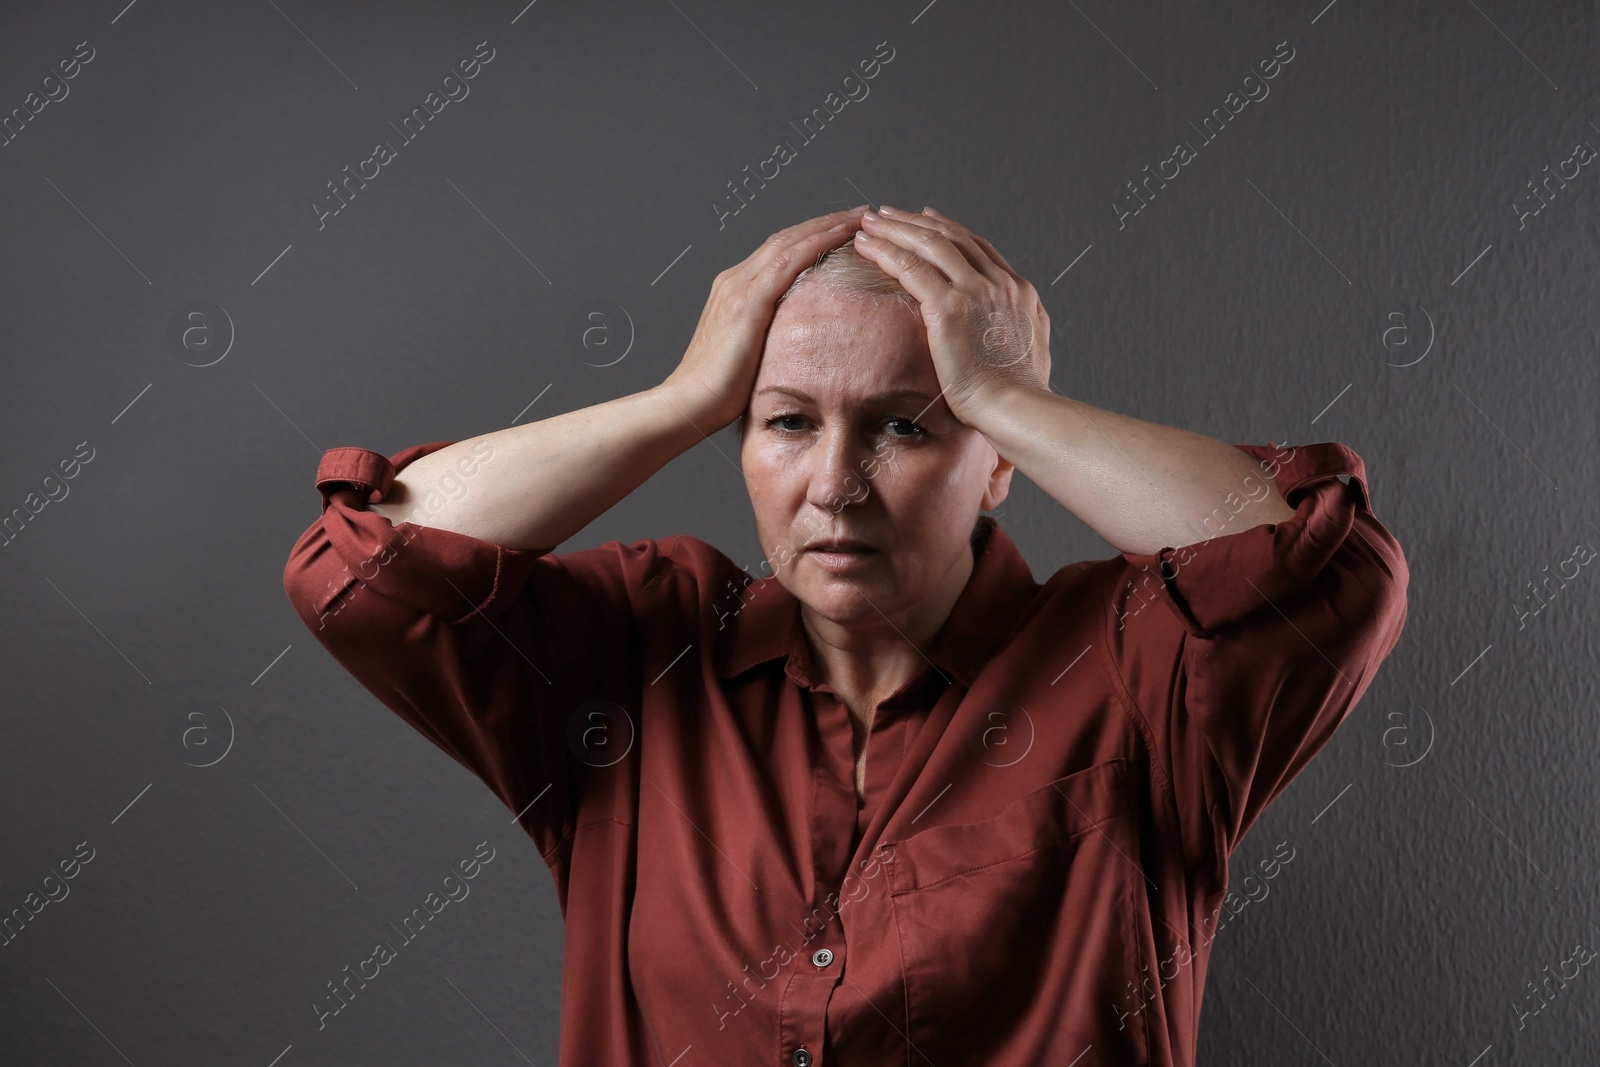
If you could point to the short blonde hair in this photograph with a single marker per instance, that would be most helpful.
(844, 270)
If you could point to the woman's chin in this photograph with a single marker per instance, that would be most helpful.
(847, 600)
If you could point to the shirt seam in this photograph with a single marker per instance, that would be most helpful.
(1021, 855)
(900, 949)
(1141, 723)
(494, 587)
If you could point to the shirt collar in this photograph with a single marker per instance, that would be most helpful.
(768, 626)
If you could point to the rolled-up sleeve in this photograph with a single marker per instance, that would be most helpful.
(483, 649)
(1243, 653)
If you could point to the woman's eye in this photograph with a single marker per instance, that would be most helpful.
(906, 427)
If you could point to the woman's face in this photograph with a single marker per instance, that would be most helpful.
(847, 439)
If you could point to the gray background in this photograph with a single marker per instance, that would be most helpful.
(1444, 840)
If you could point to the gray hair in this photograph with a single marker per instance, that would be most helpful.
(844, 270)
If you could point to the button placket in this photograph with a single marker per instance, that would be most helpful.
(803, 1006)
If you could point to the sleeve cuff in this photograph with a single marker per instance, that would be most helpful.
(442, 572)
(1215, 582)
(369, 472)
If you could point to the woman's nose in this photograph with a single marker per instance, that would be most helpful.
(837, 475)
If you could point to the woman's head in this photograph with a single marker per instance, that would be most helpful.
(846, 437)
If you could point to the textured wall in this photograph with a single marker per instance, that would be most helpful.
(1359, 254)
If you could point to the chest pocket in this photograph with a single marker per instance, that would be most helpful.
(1047, 816)
(1017, 934)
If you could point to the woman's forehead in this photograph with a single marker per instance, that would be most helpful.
(846, 343)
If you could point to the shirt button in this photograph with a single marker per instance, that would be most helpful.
(801, 1058)
(822, 957)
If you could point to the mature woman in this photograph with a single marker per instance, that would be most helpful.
(882, 797)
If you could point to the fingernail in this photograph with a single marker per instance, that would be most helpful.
(859, 208)
(887, 210)
(869, 216)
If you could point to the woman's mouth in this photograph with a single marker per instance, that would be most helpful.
(842, 556)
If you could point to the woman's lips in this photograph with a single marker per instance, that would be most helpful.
(842, 559)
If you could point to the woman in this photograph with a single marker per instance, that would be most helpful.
(885, 798)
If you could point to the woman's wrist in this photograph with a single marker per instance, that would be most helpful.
(697, 405)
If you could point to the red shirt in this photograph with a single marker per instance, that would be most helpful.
(1038, 868)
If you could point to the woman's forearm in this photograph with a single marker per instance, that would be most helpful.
(536, 485)
(1140, 485)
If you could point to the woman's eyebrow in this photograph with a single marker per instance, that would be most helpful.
(892, 394)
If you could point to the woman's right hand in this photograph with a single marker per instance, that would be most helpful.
(718, 371)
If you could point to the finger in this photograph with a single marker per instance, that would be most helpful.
(995, 256)
(931, 216)
(929, 244)
(811, 229)
(996, 262)
(918, 276)
(822, 222)
(789, 251)
(957, 235)
(982, 242)
(800, 230)
(962, 240)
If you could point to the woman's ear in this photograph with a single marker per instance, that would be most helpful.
(994, 494)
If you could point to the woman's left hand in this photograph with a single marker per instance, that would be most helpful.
(987, 330)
